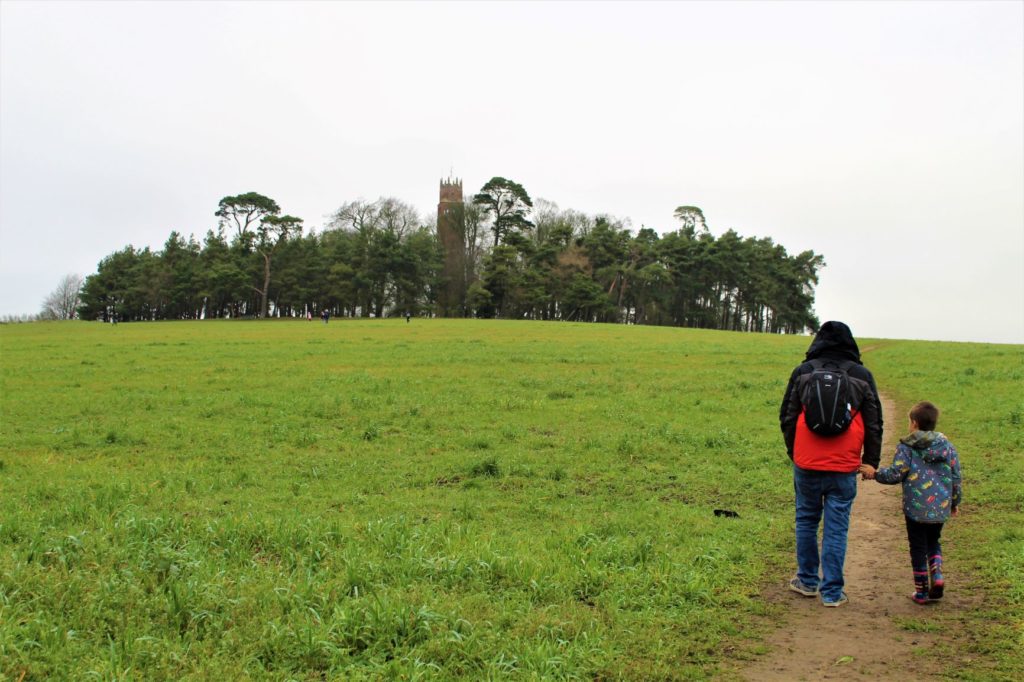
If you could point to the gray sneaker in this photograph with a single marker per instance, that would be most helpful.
(838, 602)
(797, 586)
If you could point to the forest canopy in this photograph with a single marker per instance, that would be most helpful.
(519, 259)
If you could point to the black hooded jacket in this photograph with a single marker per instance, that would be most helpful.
(834, 341)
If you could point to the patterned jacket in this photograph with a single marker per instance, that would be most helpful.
(929, 467)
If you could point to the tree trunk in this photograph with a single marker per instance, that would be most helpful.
(264, 299)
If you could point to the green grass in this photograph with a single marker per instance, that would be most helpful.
(441, 499)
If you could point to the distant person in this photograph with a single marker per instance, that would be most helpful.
(929, 467)
(407, 317)
(326, 315)
(830, 414)
(309, 316)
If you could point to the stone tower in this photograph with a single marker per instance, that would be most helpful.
(451, 231)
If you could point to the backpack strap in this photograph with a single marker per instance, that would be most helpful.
(822, 363)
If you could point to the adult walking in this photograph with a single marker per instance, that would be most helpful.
(831, 419)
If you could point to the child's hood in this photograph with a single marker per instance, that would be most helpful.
(932, 446)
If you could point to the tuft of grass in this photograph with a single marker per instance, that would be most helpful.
(918, 625)
(487, 467)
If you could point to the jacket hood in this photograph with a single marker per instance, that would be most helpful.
(931, 445)
(834, 340)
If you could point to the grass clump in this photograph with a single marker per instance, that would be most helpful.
(487, 467)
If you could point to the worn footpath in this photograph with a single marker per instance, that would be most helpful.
(874, 636)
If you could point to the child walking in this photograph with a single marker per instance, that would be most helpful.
(929, 467)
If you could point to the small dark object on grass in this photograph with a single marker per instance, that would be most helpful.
(726, 513)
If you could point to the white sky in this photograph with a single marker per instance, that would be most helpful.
(888, 137)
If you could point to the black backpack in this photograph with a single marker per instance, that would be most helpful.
(826, 398)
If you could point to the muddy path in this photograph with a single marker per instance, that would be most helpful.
(869, 637)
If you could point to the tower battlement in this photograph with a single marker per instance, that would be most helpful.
(451, 191)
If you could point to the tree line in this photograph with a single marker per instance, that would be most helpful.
(519, 259)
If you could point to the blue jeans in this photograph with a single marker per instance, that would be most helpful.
(830, 492)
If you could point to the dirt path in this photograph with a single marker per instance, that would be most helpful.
(864, 638)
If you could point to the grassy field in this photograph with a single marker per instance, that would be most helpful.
(440, 499)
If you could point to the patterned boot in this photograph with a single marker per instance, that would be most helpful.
(935, 572)
(920, 595)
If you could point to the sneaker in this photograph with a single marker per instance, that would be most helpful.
(937, 588)
(838, 602)
(920, 598)
(797, 586)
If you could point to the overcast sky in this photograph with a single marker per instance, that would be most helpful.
(888, 137)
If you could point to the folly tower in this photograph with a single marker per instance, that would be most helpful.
(451, 229)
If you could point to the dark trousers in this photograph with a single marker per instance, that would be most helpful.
(924, 544)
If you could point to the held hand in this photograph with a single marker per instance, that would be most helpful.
(955, 511)
(867, 472)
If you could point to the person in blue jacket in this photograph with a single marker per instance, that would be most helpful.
(928, 466)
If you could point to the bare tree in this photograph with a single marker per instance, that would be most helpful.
(358, 216)
(397, 216)
(62, 302)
